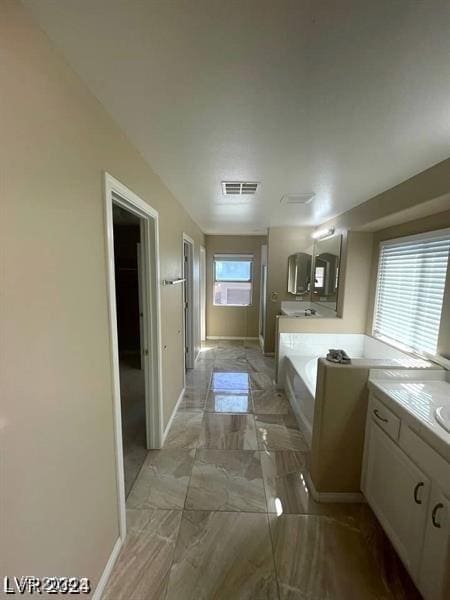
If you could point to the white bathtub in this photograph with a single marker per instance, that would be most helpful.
(298, 356)
(300, 387)
(306, 368)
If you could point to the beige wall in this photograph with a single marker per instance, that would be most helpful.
(56, 419)
(282, 242)
(393, 213)
(354, 288)
(430, 223)
(231, 321)
(427, 191)
(338, 434)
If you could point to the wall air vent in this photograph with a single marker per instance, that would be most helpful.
(239, 188)
(304, 198)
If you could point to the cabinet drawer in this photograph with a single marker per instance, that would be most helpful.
(384, 417)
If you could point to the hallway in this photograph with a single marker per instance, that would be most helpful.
(223, 511)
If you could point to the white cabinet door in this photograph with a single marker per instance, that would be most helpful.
(398, 493)
(434, 579)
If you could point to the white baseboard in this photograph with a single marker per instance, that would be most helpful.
(175, 408)
(229, 337)
(107, 570)
(343, 497)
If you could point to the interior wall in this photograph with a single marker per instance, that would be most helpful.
(353, 295)
(424, 194)
(419, 204)
(56, 417)
(282, 242)
(233, 321)
(430, 223)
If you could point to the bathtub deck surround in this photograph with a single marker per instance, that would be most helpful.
(329, 401)
(297, 364)
(339, 423)
(357, 346)
(224, 510)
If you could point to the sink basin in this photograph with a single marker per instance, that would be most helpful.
(298, 313)
(442, 415)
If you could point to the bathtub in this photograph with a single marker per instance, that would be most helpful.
(329, 400)
(300, 387)
(357, 346)
(298, 355)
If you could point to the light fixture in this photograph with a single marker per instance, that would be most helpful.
(322, 234)
(303, 198)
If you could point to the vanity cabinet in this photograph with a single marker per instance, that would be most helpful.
(434, 574)
(398, 493)
(409, 504)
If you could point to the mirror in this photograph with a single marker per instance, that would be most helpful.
(326, 267)
(299, 273)
(313, 275)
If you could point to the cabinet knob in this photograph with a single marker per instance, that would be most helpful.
(417, 500)
(434, 513)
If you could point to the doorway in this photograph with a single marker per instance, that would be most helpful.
(128, 265)
(262, 297)
(202, 293)
(188, 302)
(134, 310)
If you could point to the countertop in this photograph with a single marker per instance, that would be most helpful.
(300, 314)
(414, 400)
(297, 309)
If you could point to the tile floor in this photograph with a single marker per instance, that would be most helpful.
(223, 511)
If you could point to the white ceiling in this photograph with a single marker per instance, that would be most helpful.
(345, 98)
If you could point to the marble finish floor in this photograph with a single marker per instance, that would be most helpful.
(223, 511)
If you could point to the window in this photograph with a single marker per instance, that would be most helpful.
(410, 290)
(319, 277)
(233, 280)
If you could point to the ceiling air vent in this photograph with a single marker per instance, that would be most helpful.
(304, 198)
(239, 188)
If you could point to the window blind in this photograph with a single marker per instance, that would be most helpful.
(410, 290)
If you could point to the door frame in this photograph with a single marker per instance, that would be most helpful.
(118, 194)
(202, 264)
(263, 297)
(188, 296)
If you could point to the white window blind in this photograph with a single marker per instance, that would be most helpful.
(410, 290)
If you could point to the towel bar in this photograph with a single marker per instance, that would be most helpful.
(172, 281)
